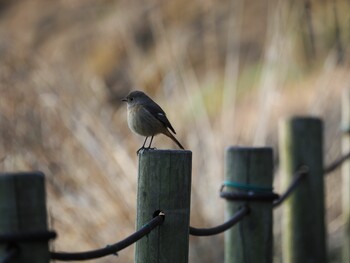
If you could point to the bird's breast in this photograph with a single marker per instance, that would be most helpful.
(142, 122)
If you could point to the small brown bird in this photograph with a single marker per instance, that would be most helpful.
(146, 118)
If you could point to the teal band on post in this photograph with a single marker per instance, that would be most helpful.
(248, 187)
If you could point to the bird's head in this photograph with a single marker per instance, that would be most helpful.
(135, 97)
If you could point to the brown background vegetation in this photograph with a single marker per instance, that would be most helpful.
(224, 71)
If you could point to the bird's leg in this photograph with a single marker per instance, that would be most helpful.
(149, 146)
(143, 146)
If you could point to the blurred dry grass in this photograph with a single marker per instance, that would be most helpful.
(230, 69)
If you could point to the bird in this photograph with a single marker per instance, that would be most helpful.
(147, 118)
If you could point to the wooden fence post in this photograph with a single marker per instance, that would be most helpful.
(304, 234)
(251, 239)
(164, 183)
(346, 176)
(23, 209)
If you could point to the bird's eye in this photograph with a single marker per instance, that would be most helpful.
(131, 99)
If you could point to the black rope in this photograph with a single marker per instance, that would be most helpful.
(10, 255)
(298, 177)
(242, 212)
(333, 166)
(111, 249)
(249, 196)
(29, 236)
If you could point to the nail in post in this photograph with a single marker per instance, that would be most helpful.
(23, 209)
(164, 183)
(251, 239)
(303, 236)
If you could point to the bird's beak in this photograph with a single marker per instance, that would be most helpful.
(124, 99)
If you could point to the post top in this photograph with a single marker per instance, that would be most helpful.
(247, 148)
(303, 119)
(163, 151)
(33, 174)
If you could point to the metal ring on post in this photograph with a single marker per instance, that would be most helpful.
(248, 192)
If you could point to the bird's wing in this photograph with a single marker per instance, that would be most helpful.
(159, 114)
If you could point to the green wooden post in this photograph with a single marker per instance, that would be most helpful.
(23, 209)
(164, 183)
(346, 176)
(251, 239)
(304, 233)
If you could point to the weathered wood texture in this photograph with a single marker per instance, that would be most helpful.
(164, 183)
(251, 239)
(23, 209)
(303, 233)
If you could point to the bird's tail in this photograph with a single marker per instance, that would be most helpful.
(167, 133)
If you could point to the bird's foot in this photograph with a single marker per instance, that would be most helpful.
(145, 148)
(138, 151)
(153, 148)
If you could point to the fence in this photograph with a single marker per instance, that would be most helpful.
(163, 204)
